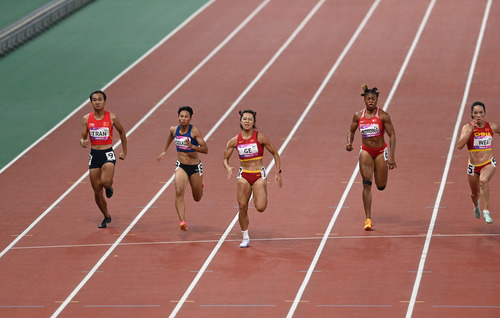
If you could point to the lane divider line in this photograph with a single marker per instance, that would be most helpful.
(355, 172)
(283, 146)
(425, 250)
(160, 192)
(80, 180)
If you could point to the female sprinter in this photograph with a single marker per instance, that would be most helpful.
(252, 174)
(375, 157)
(98, 125)
(188, 168)
(478, 136)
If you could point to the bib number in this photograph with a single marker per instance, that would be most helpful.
(470, 169)
(110, 156)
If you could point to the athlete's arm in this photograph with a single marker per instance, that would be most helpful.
(84, 141)
(352, 131)
(203, 148)
(465, 134)
(272, 150)
(389, 128)
(169, 141)
(231, 144)
(123, 135)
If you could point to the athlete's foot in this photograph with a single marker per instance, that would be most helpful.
(368, 224)
(104, 223)
(183, 226)
(245, 243)
(477, 212)
(109, 192)
(487, 217)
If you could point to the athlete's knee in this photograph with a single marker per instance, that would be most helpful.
(367, 182)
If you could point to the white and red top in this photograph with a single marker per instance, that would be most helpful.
(373, 127)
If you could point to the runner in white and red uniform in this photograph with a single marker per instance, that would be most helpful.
(97, 130)
(478, 136)
(250, 145)
(375, 158)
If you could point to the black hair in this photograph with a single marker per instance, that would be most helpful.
(478, 103)
(97, 92)
(248, 111)
(367, 91)
(186, 108)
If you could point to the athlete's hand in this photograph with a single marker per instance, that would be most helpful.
(84, 143)
(161, 155)
(122, 156)
(229, 172)
(348, 147)
(391, 164)
(278, 180)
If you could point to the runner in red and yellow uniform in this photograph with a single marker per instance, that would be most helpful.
(252, 176)
(478, 136)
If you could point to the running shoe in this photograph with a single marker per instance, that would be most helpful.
(104, 223)
(109, 192)
(183, 226)
(477, 212)
(368, 225)
(245, 243)
(487, 217)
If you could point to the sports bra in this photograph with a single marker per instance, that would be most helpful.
(249, 149)
(180, 140)
(372, 127)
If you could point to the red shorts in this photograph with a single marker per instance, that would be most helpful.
(476, 169)
(252, 176)
(375, 152)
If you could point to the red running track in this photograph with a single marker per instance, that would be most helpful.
(300, 65)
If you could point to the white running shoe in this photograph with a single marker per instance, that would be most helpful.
(487, 217)
(245, 243)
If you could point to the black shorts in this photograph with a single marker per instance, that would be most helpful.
(98, 158)
(190, 169)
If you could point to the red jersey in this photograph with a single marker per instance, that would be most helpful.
(249, 149)
(481, 139)
(100, 131)
(373, 127)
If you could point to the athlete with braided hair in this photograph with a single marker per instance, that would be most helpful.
(478, 136)
(375, 158)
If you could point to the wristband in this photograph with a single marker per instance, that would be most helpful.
(278, 170)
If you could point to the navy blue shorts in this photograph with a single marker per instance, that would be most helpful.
(98, 158)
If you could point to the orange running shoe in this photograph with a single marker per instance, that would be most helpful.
(183, 226)
(368, 225)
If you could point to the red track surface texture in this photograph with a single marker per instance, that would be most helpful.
(300, 65)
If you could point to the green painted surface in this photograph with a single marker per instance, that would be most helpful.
(14, 10)
(42, 81)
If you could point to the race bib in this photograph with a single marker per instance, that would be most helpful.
(99, 133)
(248, 150)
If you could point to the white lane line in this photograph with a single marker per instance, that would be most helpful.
(74, 185)
(235, 219)
(355, 172)
(298, 296)
(423, 256)
(148, 206)
(189, 19)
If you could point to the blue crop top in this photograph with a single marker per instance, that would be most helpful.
(180, 140)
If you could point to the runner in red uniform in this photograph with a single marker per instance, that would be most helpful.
(478, 136)
(97, 130)
(375, 158)
(250, 145)
(188, 168)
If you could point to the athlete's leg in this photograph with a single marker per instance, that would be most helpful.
(260, 194)
(95, 181)
(181, 179)
(474, 188)
(381, 172)
(484, 185)
(107, 174)
(366, 167)
(244, 192)
(196, 182)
